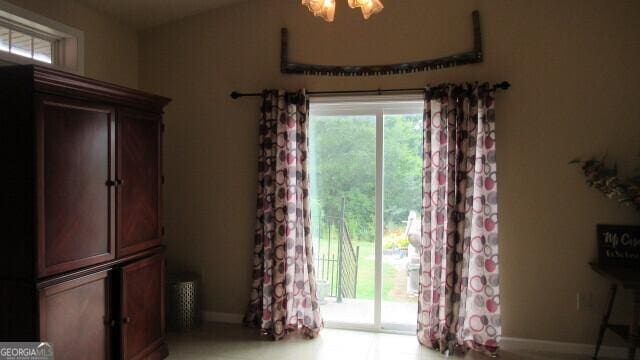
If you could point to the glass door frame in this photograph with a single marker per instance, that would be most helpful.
(379, 106)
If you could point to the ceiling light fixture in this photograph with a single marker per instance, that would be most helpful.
(326, 9)
(368, 7)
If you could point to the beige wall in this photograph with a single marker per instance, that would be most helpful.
(573, 66)
(111, 48)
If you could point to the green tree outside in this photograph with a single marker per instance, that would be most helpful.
(343, 158)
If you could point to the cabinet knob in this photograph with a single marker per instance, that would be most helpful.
(126, 320)
(114, 183)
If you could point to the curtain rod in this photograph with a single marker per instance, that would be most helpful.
(236, 95)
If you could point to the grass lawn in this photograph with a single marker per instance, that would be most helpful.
(366, 271)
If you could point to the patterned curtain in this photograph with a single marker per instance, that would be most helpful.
(459, 303)
(283, 297)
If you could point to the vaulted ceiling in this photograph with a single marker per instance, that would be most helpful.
(141, 14)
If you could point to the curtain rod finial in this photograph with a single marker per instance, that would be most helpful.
(234, 95)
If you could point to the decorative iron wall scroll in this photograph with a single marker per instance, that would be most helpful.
(471, 57)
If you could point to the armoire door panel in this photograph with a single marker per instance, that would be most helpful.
(74, 317)
(142, 307)
(83, 172)
(139, 171)
(76, 149)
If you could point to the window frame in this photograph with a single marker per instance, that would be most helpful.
(34, 35)
(378, 106)
(67, 43)
(365, 105)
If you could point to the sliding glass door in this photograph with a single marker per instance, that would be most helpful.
(366, 185)
(343, 177)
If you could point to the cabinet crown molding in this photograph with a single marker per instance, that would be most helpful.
(58, 82)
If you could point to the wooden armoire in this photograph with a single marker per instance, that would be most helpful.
(81, 262)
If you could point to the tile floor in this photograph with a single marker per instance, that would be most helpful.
(233, 342)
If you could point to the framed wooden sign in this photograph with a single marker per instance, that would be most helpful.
(619, 245)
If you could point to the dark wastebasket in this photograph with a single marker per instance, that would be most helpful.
(183, 301)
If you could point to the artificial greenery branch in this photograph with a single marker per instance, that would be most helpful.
(605, 179)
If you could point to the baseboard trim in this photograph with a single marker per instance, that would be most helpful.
(512, 344)
(516, 344)
(220, 317)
